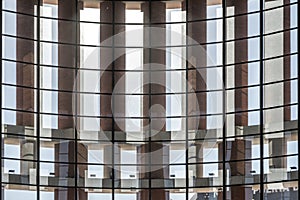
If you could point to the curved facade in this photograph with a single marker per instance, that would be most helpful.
(149, 100)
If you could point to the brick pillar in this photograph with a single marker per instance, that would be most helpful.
(239, 149)
(157, 154)
(119, 64)
(109, 79)
(25, 77)
(25, 72)
(198, 32)
(155, 59)
(287, 61)
(65, 152)
(28, 151)
(241, 55)
(280, 93)
(106, 82)
(109, 156)
(278, 147)
(154, 152)
(66, 57)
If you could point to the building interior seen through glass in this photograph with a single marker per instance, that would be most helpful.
(149, 100)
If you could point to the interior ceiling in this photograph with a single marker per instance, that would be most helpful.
(133, 4)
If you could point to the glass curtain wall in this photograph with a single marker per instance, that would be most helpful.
(148, 100)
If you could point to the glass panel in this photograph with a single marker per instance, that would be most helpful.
(57, 54)
(274, 172)
(202, 175)
(21, 6)
(94, 37)
(27, 192)
(10, 21)
(49, 193)
(247, 192)
(50, 31)
(213, 31)
(201, 10)
(285, 190)
(22, 123)
(99, 194)
(19, 171)
(26, 51)
(57, 126)
(18, 74)
(63, 175)
(90, 11)
(242, 7)
(278, 119)
(243, 172)
(275, 43)
(277, 94)
(249, 95)
(279, 69)
(204, 151)
(55, 104)
(19, 98)
(89, 105)
(62, 10)
(247, 50)
(205, 193)
(243, 123)
(238, 31)
(19, 147)
(90, 58)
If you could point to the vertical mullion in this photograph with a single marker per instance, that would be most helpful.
(298, 71)
(38, 28)
(76, 100)
(1, 146)
(224, 13)
(186, 104)
(261, 127)
(150, 102)
(113, 102)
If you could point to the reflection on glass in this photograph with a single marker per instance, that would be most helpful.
(149, 114)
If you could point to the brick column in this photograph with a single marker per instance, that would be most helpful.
(198, 32)
(278, 147)
(25, 77)
(25, 72)
(157, 154)
(278, 94)
(197, 10)
(66, 151)
(239, 149)
(241, 55)
(154, 152)
(110, 78)
(66, 57)
(287, 60)
(106, 81)
(154, 59)
(109, 156)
